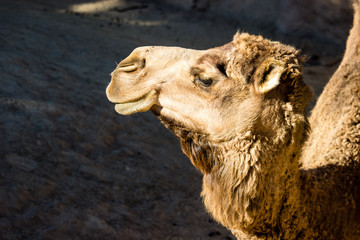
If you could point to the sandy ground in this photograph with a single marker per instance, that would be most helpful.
(70, 167)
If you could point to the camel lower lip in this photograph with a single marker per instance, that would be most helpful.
(142, 104)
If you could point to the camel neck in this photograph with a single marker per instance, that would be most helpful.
(255, 187)
(251, 181)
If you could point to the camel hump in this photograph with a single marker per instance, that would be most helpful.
(353, 42)
(335, 119)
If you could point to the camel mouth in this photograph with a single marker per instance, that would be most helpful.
(141, 104)
(156, 110)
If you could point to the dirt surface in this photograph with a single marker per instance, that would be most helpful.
(70, 167)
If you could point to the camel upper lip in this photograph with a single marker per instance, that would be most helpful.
(123, 99)
(136, 99)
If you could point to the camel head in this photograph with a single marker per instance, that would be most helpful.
(218, 93)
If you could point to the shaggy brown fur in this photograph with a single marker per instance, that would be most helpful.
(250, 181)
(266, 176)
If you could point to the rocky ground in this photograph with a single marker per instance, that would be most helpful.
(70, 167)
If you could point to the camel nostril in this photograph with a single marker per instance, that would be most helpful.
(130, 66)
(143, 63)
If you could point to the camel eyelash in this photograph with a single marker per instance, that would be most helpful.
(205, 82)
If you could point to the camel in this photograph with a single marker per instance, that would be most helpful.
(240, 113)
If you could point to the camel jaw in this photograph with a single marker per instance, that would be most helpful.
(141, 104)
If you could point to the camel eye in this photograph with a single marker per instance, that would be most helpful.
(203, 82)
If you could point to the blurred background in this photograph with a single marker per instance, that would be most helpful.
(70, 167)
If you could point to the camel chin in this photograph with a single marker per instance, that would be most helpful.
(141, 104)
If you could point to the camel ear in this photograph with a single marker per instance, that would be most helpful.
(268, 75)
